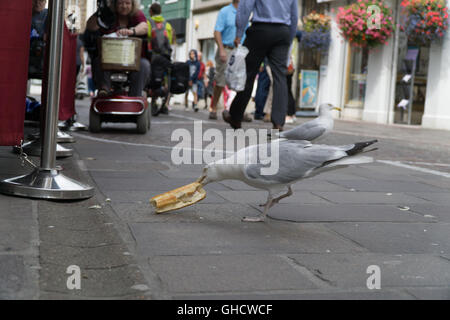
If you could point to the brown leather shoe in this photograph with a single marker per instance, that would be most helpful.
(227, 118)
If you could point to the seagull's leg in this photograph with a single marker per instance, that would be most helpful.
(276, 200)
(263, 215)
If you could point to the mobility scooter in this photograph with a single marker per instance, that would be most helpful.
(120, 56)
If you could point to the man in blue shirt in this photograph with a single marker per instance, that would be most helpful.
(224, 34)
(274, 25)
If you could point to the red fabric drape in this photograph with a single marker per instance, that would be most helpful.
(15, 26)
(68, 77)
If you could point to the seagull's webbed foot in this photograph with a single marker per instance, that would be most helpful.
(262, 216)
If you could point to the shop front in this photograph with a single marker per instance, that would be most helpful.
(401, 81)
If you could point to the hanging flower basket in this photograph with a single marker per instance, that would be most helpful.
(316, 32)
(426, 21)
(364, 28)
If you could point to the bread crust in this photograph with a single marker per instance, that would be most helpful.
(179, 198)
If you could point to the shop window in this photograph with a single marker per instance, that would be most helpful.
(356, 77)
(208, 49)
(309, 59)
(414, 87)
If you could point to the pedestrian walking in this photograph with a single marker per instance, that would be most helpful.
(274, 25)
(194, 69)
(209, 81)
(224, 35)
(201, 78)
(290, 117)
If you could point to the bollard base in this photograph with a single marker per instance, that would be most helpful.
(46, 184)
(62, 137)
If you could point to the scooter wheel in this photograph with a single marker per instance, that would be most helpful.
(143, 122)
(95, 124)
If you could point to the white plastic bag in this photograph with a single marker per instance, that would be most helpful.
(236, 73)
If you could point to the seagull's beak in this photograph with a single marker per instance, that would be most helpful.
(337, 108)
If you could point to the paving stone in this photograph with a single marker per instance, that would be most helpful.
(141, 184)
(430, 293)
(442, 198)
(119, 175)
(350, 270)
(387, 169)
(260, 197)
(212, 237)
(15, 235)
(443, 183)
(103, 257)
(438, 212)
(397, 238)
(369, 198)
(341, 212)
(317, 185)
(295, 295)
(132, 165)
(336, 175)
(78, 238)
(188, 171)
(12, 276)
(85, 221)
(15, 208)
(227, 273)
(154, 183)
(113, 282)
(195, 213)
(383, 186)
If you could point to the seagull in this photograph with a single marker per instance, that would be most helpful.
(298, 159)
(315, 128)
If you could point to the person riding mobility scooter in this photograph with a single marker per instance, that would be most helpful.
(120, 70)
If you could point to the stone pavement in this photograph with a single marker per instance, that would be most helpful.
(317, 244)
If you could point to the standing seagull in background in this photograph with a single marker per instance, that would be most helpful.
(314, 129)
(297, 159)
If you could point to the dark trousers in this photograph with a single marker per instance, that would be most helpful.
(291, 100)
(262, 91)
(271, 41)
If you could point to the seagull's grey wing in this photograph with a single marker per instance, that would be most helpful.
(307, 131)
(296, 160)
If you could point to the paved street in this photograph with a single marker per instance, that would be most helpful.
(317, 244)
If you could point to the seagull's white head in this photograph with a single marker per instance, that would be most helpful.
(220, 170)
(326, 108)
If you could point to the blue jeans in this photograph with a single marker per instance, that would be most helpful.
(201, 89)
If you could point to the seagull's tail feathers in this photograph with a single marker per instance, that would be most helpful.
(354, 155)
(359, 147)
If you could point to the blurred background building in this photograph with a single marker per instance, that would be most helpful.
(364, 83)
